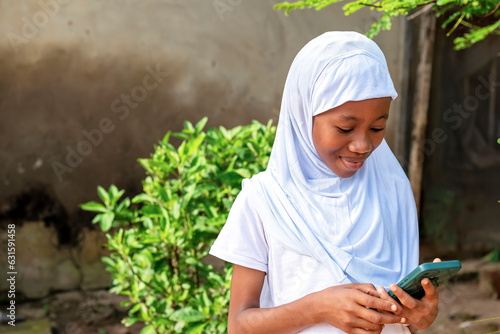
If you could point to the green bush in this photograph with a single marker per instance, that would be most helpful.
(159, 239)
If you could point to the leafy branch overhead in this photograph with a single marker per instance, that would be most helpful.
(472, 20)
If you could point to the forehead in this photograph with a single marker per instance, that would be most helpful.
(349, 117)
(365, 110)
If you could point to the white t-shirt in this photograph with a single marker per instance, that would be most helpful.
(289, 275)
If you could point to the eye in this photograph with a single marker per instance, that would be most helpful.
(344, 130)
(377, 129)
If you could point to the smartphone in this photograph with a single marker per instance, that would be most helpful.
(437, 272)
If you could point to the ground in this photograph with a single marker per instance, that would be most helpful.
(75, 312)
(464, 309)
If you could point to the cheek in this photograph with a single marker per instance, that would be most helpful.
(330, 144)
(377, 140)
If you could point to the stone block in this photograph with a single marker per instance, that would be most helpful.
(88, 256)
(41, 264)
(36, 326)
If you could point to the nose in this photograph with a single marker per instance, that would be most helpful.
(360, 144)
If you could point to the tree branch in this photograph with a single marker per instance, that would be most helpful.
(493, 11)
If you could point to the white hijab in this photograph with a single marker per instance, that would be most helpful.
(362, 228)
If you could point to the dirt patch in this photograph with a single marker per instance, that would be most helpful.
(78, 312)
(464, 309)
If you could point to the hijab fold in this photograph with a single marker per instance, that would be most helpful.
(362, 228)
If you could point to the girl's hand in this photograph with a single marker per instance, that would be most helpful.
(353, 308)
(419, 314)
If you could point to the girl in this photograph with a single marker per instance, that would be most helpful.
(333, 215)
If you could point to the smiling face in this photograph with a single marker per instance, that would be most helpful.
(345, 136)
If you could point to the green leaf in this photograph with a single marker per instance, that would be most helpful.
(166, 138)
(115, 196)
(176, 210)
(97, 218)
(125, 303)
(135, 308)
(493, 256)
(150, 329)
(129, 321)
(144, 312)
(141, 198)
(165, 221)
(201, 124)
(244, 173)
(449, 19)
(182, 136)
(224, 132)
(205, 299)
(113, 190)
(108, 261)
(187, 314)
(123, 204)
(354, 6)
(179, 327)
(145, 164)
(445, 2)
(106, 221)
(188, 127)
(103, 194)
(230, 177)
(151, 210)
(192, 261)
(197, 329)
(194, 145)
(189, 191)
(148, 223)
(93, 207)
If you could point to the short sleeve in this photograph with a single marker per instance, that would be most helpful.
(242, 240)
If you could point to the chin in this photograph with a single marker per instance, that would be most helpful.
(348, 174)
(344, 173)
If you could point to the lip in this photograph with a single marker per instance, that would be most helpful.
(352, 163)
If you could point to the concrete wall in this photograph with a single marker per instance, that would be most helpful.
(88, 86)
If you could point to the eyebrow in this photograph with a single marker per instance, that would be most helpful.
(354, 118)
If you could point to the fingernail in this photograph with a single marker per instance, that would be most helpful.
(394, 308)
(403, 320)
(380, 289)
(393, 287)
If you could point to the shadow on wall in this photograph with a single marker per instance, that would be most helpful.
(38, 204)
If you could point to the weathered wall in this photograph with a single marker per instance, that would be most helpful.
(462, 156)
(88, 86)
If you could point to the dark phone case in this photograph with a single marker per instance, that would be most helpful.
(437, 272)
